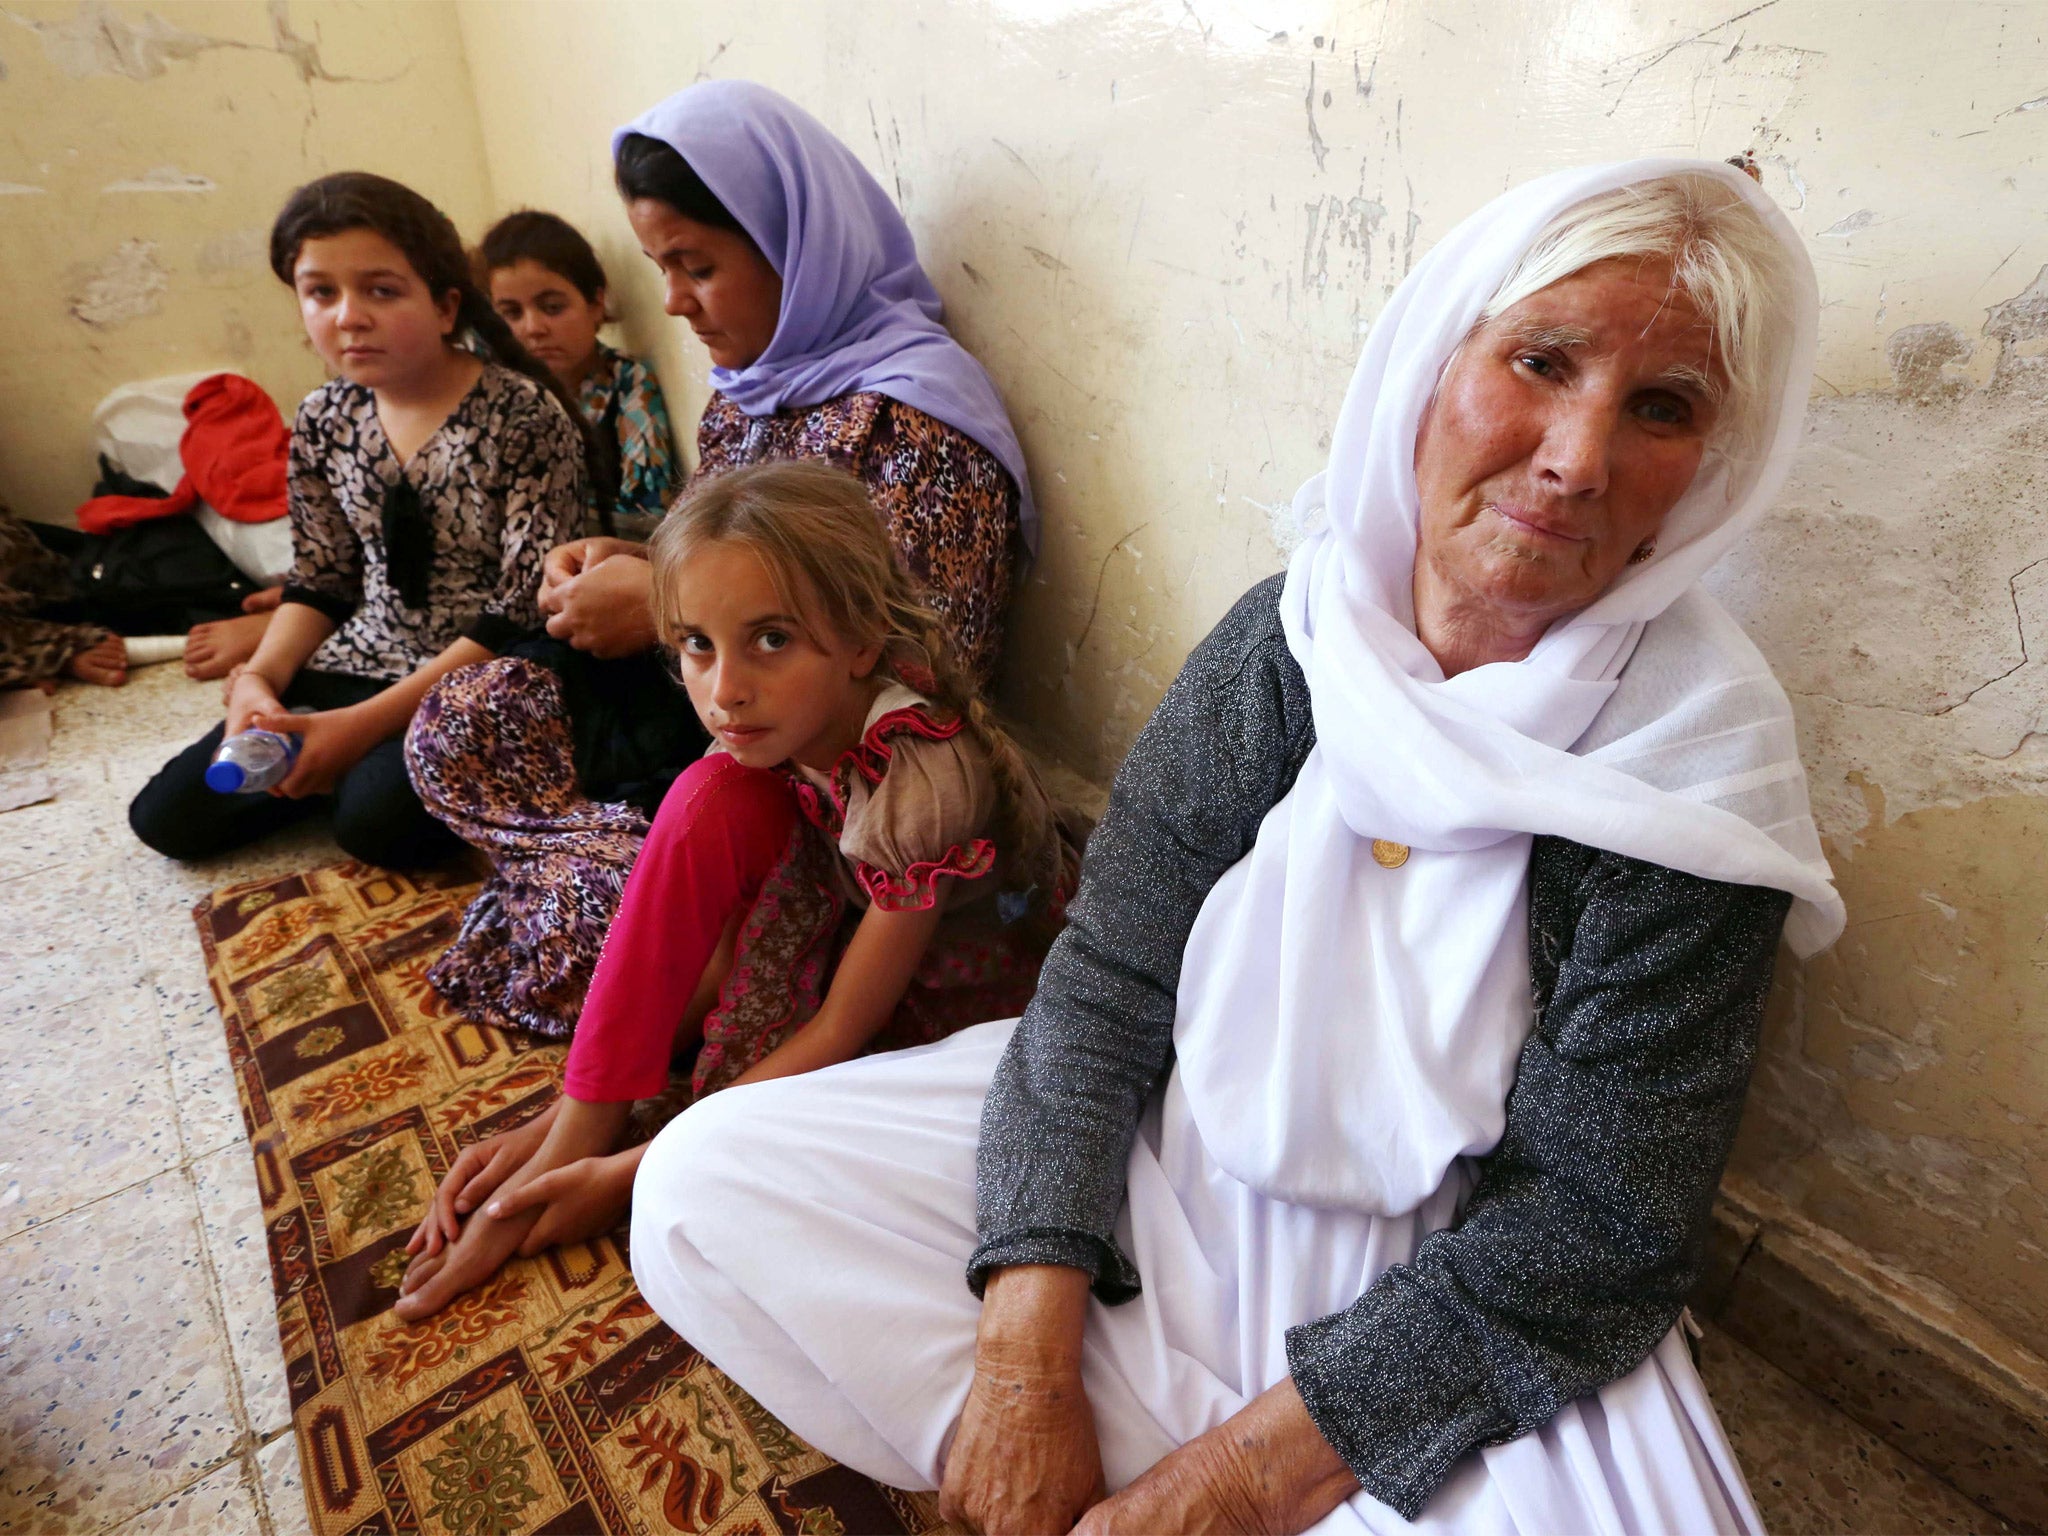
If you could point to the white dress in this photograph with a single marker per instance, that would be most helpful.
(811, 1236)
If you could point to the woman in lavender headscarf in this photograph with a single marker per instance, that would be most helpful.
(800, 277)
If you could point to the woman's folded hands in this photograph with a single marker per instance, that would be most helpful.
(595, 594)
(1025, 1458)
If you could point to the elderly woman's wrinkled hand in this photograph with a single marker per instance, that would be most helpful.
(1024, 1459)
(1264, 1469)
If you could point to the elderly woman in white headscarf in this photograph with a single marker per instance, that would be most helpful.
(1351, 1166)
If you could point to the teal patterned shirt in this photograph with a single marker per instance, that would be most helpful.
(625, 389)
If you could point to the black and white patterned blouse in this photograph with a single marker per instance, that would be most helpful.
(501, 482)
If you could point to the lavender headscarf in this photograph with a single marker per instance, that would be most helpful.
(858, 312)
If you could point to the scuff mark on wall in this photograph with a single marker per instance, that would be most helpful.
(163, 178)
(128, 285)
(1895, 1091)
(19, 189)
(1861, 219)
(1315, 138)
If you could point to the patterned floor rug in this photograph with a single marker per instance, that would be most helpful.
(552, 1400)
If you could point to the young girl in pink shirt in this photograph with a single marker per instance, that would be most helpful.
(862, 861)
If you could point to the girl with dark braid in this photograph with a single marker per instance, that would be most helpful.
(428, 480)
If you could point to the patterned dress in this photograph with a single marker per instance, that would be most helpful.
(621, 394)
(902, 823)
(491, 749)
(32, 649)
(499, 483)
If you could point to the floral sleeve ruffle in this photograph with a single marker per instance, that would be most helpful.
(917, 888)
(907, 808)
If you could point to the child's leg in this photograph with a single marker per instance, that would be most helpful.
(491, 754)
(379, 819)
(717, 837)
(177, 815)
(35, 651)
(715, 840)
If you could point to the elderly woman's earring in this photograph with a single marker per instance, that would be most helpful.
(1643, 552)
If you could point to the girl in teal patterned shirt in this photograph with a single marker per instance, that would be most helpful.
(547, 283)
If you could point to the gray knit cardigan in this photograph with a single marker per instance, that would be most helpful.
(1584, 1232)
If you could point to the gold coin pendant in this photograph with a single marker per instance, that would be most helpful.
(1389, 855)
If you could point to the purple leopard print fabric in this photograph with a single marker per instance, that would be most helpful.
(489, 753)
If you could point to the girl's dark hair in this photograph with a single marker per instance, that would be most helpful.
(644, 167)
(348, 200)
(530, 235)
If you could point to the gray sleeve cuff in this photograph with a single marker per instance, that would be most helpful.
(1397, 1388)
(1114, 1277)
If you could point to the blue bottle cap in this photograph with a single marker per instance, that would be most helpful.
(224, 778)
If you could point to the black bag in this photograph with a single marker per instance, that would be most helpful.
(158, 577)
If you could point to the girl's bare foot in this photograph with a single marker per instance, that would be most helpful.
(215, 649)
(105, 664)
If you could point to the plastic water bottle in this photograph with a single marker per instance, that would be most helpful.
(252, 762)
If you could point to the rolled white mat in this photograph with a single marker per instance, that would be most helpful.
(148, 650)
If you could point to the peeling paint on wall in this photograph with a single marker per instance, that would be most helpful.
(239, 250)
(163, 178)
(1900, 587)
(128, 285)
(98, 40)
(183, 125)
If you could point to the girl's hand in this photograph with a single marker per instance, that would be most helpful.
(577, 1202)
(608, 609)
(567, 561)
(249, 694)
(332, 742)
(480, 1169)
(1265, 1468)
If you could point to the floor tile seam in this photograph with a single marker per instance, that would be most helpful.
(39, 870)
(216, 1297)
(242, 1452)
(265, 1521)
(184, 1165)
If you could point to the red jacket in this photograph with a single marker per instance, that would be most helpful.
(233, 450)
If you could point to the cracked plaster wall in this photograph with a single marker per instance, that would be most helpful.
(144, 150)
(1165, 227)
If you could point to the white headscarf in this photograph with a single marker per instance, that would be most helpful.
(1346, 1030)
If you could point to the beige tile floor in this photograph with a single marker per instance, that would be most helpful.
(141, 1385)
